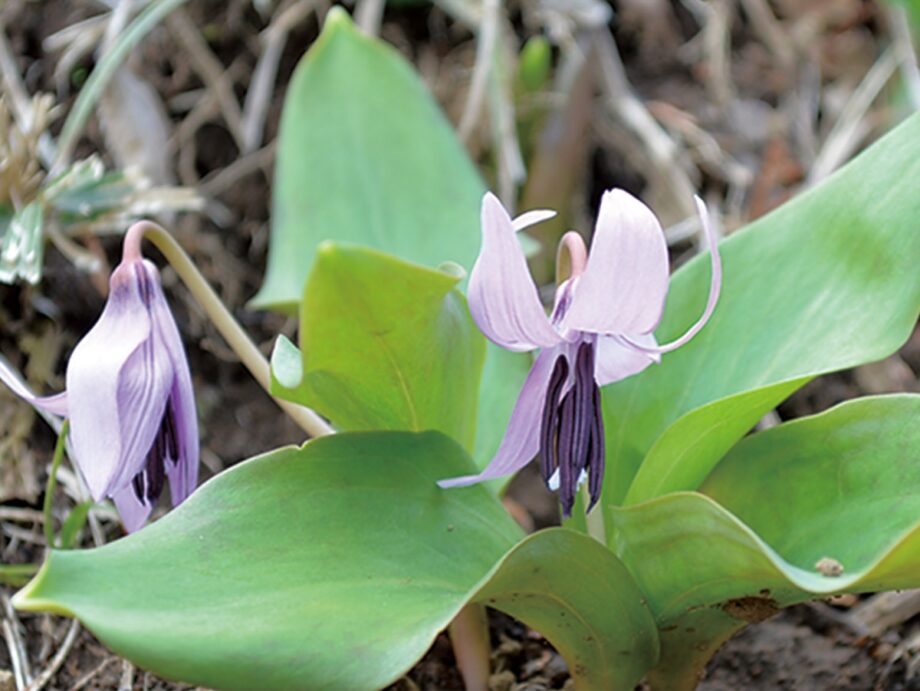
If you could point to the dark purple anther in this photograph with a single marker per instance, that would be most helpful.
(571, 433)
(549, 426)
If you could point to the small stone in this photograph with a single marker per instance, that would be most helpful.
(7, 683)
(502, 681)
(829, 567)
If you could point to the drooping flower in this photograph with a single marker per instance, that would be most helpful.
(599, 331)
(129, 396)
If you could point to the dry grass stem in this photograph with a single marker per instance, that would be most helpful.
(47, 674)
(260, 91)
(852, 127)
(212, 72)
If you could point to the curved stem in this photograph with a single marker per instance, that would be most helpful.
(220, 316)
(52, 483)
(469, 637)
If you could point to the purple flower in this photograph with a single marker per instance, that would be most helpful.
(599, 331)
(129, 397)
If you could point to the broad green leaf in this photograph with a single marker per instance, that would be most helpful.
(365, 156)
(827, 281)
(385, 345)
(334, 566)
(330, 566)
(842, 487)
(581, 597)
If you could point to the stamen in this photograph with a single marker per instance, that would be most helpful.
(597, 452)
(549, 461)
(583, 403)
(572, 430)
(148, 484)
(137, 484)
(564, 452)
(168, 430)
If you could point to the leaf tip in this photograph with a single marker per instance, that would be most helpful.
(337, 18)
(286, 363)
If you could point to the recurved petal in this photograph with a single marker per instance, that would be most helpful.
(616, 360)
(56, 404)
(715, 287)
(532, 217)
(118, 381)
(182, 465)
(502, 296)
(626, 279)
(522, 438)
(134, 513)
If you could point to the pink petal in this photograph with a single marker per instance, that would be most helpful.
(715, 287)
(625, 282)
(522, 438)
(502, 296)
(616, 360)
(134, 513)
(56, 404)
(118, 382)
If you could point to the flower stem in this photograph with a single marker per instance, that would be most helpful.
(469, 637)
(220, 316)
(594, 520)
(52, 483)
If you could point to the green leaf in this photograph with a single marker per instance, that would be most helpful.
(334, 566)
(781, 502)
(73, 524)
(385, 345)
(329, 566)
(365, 156)
(827, 281)
(581, 597)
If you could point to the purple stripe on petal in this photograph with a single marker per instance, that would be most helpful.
(117, 389)
(183, 474)
(626, 279)
(522, 438)
(502, 296)
(143, 390)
